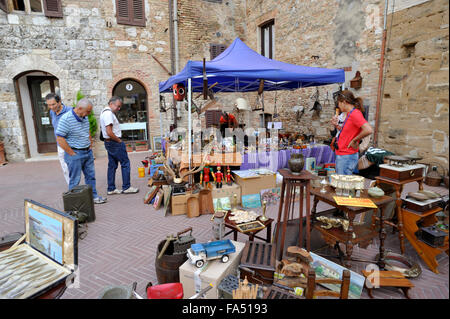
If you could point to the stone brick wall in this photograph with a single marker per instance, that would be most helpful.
(415, 109)
(342, 34)
(87, 50)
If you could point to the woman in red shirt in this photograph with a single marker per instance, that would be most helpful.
(354, 128)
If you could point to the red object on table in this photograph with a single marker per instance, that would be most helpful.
(329, 165)
(165, 291)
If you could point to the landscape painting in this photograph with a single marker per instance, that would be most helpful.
(46, 234)
(325, 268)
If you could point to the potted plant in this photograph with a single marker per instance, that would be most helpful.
(129, 147)
(93, 127)
(141, 146)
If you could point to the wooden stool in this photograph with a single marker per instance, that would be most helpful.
(388, 279)
(287, 199)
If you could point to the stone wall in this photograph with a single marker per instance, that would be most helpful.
(415, 108)
(330, 34)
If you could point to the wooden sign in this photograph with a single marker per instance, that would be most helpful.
(352, 201)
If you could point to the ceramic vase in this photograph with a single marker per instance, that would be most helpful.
(296, 163)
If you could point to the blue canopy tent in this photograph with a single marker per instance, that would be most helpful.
(240, 69)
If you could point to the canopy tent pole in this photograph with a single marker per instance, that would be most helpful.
(189, 121)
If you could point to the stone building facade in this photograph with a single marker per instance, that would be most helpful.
(88, 50)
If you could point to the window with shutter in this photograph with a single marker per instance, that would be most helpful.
(53, 8)
(131, 12)
(267, 39)
(216, 49)
(3, 6)
(212, 117)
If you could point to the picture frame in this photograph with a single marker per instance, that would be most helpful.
(271, 195)
(250, 226)
(157, 144)
(151, 194)
(158, 199)
(251, 201)
(326, 269)
(222, 203)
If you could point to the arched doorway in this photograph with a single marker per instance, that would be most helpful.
(133, 114)
(33, 86)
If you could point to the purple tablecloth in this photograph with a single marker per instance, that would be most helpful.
(279, 159)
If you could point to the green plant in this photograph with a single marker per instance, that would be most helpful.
(93, 127)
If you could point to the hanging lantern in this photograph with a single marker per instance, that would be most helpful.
(179, 91)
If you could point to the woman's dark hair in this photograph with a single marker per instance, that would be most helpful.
(52, 96)
(348, 97)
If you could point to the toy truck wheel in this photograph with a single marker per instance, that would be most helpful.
(199, 263)
(225, 258)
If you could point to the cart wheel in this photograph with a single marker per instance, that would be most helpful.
(225, 258)
(199, 263)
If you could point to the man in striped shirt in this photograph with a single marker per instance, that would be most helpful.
(73, 136)
(56, 110)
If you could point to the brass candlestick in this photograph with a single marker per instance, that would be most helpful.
(234, 203)
(263, 218)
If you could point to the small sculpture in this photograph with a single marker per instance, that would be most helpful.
(330, 222)
(204, 176)
(229, 177)
(218, 176)
(264, 218)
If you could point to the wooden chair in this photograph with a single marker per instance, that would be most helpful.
(311, 291)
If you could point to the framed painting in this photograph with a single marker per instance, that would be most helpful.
(157, 143)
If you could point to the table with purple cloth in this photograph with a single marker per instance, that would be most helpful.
(275, 160)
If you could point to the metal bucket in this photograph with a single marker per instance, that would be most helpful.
(117, 292)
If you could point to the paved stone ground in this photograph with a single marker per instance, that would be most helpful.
(120, 247)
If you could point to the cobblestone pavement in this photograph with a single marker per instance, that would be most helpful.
(121, 244)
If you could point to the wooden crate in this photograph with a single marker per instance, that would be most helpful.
(259, 259)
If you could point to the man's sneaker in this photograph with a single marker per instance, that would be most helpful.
(114, 192)
(99, 200)
(131, 190)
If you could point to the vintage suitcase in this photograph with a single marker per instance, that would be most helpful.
(80, 199)
(421, 206)
(401, 173)
(432, 236)
(258, 262)
(46, 259)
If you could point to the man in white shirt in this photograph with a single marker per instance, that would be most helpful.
(115, 147)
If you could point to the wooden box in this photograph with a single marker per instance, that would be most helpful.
(194, 279)
(258, 262)
(401, 173)
(179, 204)
(46, 259)
(421, 206)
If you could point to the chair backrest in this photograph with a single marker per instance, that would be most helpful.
(311, 291)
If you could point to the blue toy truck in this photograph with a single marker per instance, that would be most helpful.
(199, 253)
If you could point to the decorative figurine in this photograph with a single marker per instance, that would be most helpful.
(204, 176)
(218, 177)
(264, 218)
(228, 177)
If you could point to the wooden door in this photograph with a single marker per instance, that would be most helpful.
(39, 87)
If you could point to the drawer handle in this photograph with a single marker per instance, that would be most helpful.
(412, 172)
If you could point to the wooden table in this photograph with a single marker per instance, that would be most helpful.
(251, 234)
(398, 186)
(425, 251)
(363, 234)
(290, 183)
